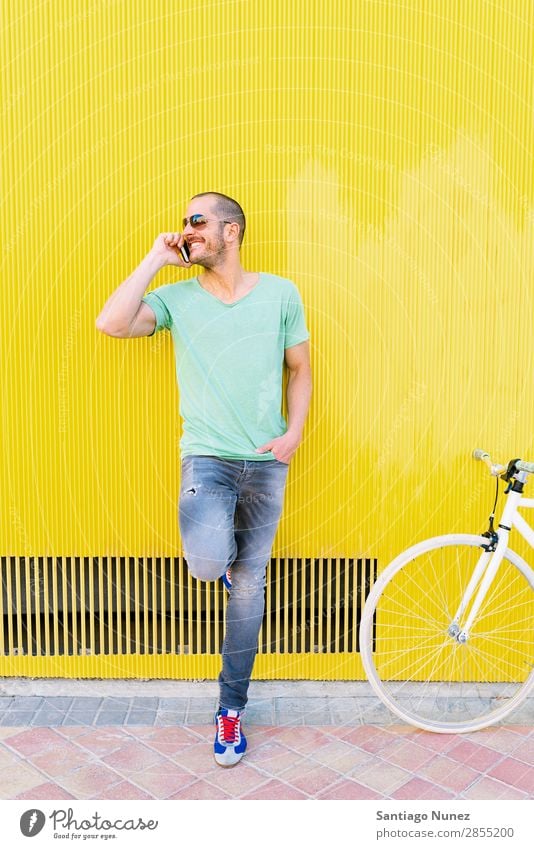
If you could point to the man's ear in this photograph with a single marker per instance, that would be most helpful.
(235, 232)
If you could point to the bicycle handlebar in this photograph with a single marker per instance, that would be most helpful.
(495, 468)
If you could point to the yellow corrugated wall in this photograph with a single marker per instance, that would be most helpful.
(383, 153)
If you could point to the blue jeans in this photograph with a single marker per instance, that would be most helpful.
(228, 514)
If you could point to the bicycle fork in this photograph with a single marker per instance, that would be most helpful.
(484, 572)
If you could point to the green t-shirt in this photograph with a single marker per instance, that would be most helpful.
(229, 362)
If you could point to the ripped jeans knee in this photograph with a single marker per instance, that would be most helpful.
(206, 568)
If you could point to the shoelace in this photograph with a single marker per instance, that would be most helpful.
(228, 726)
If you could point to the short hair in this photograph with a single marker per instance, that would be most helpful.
(227, 208)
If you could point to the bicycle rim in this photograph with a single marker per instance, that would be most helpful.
(424, 675)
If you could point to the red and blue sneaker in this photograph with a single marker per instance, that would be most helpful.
(227, 579)
(230, 742)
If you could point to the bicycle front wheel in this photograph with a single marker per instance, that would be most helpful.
(421, 672)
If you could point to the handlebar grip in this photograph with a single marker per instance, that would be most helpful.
(523, 466)
(519, 465)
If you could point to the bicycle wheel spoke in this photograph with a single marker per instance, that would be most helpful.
(404, 670)
(504, 609)
(415, 603)
(497, 662)
(437, 578)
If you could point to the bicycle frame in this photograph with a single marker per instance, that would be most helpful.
(489, 561)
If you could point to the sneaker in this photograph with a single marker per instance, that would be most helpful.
(230, 742)
(227, 579)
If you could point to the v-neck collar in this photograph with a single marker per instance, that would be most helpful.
(234, 303)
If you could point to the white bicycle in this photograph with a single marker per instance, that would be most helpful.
(447, 631)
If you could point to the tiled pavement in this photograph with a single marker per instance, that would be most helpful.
(161, 748)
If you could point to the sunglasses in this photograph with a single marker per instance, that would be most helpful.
(198, 220)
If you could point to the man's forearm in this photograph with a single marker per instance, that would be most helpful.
(299, 391)
(120, 309)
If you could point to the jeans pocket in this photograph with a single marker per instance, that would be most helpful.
(186, 472)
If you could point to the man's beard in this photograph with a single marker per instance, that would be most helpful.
(213, 257)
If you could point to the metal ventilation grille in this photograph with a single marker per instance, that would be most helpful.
(120, 606)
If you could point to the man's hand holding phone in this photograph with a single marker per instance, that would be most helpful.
(171, 249)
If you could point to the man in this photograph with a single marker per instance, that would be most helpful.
(232, 330)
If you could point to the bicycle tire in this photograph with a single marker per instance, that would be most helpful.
(425, 676)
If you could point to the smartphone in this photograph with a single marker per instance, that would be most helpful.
(184, 250)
